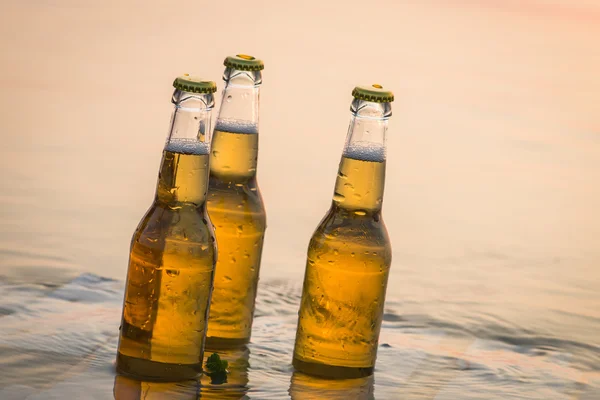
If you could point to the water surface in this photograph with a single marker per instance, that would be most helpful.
(59, 341)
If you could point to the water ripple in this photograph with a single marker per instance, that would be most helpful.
(60, 342)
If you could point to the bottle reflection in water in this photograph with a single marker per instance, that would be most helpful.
(235, 205)
(236, 384)
(306, 387)
(126, 388)
(349, 255)
(173, 254)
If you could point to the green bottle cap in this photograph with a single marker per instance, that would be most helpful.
(244, 62)
(374, 93)
(194, 85)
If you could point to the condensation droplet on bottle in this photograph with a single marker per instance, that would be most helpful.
(172, 272)
(340, 198)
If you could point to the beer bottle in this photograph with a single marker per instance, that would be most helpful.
(173, 252)
(235, 205)
(349, 254)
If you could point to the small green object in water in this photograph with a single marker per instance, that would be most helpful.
(216, 369)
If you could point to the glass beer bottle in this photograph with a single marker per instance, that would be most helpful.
(235, 205)
(349, 254)
(173, 252)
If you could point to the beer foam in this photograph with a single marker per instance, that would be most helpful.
(187, 146)
(236, 126)
(365, 151)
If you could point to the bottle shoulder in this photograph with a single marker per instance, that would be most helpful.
(352, 243)
(344, 225)
(185, 223)
(235, 198)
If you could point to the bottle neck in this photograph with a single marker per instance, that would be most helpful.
(235, 142)
(183, 173)
(190, 130)
(360, 181)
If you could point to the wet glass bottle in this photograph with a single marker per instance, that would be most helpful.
(235, 205)
(349, 254)
(173, 252)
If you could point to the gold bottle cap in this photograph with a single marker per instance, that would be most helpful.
(244, 62)
(374, 93)
(194, 84)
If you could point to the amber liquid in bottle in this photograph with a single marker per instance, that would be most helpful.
(236, 209)
(348, 262)
(171, 268)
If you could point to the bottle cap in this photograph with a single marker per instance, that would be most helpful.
(374, 93)
(194, 84)
(244, 62)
